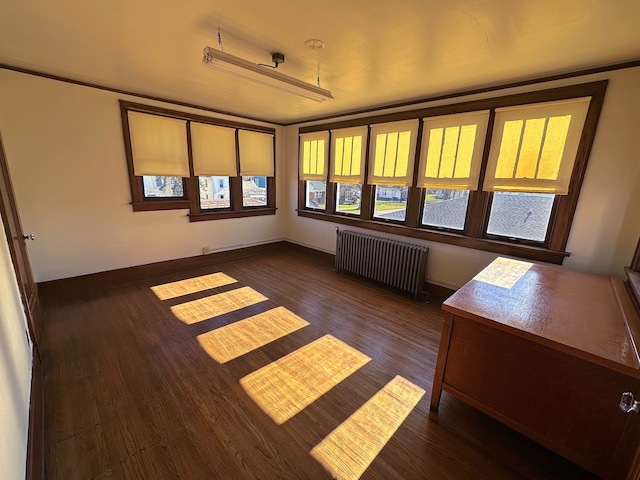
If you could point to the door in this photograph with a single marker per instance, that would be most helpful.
(18, 249)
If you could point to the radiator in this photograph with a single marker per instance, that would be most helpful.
(397, 264)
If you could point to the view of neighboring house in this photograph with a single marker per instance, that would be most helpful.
(391, 192)
(215, 192)
(316, 194)
(254, 191)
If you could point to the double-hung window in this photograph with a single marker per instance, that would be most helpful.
(500, 174)
(531, 160)
(348, 148)
(214, 168)
(160, 157)
(450, 161)
(214, 163)
(314, 149)
(393, 148)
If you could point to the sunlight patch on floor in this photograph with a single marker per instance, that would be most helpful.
(355, 443)
(288, 385)
(167, 291)
(214, 305)
(232, 341)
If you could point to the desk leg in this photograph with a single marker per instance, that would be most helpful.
(443, 350)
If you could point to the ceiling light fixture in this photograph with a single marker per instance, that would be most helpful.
(239, 67)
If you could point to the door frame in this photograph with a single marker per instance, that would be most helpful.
(19, 254)
(35, 468)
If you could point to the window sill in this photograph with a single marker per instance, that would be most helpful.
(252, 212)
(504, 248)
(151, 205)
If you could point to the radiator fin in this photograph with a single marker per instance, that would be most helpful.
(397, 264)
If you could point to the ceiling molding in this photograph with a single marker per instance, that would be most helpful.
(462, 93)
(475, 91)
(58, 78)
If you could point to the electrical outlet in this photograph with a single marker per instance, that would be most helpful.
(205, 250)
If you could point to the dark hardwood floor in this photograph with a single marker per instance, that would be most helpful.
(131, 394)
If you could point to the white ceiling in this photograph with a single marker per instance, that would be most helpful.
(378, 52)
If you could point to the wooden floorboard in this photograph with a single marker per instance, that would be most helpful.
(131, 394)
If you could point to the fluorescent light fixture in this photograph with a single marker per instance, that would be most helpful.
(238, 67)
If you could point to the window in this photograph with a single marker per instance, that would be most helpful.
(450, 162)
(500, 174)
(214, 168)
(348, 199)
(156, 186)
(254, 191)
(520, 215)
(392, 148)
(348, 148)
(445, 208)
(316, 194)
(390, 202)
(214, 192)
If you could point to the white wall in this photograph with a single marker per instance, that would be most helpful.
(65, 150)
(606, 225)
(15, 373)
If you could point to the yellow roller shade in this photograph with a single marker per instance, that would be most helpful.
(348, 148)
(313, 155)
(213, 150)
(451, 152)
(256, 153)
(534, 147)
(392, 153)
(159, 145)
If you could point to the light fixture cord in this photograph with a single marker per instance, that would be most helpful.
(220, 40)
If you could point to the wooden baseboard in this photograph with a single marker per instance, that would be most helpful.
(35, 445)
(312, 252)
(141, 271)
(436, 292)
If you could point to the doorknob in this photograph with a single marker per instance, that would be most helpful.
(628, 404)
(31, 236)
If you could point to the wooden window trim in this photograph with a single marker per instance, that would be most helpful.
(635, 262)
(504, 248)
(474, 236)
(191, 199)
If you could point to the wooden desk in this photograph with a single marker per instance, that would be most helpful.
(549, 355)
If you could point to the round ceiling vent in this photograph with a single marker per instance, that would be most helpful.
(314, 44)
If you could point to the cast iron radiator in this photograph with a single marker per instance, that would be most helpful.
(398, 264)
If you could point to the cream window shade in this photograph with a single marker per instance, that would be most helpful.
(348, 149)
(451, 153)
(392, 153)
(534, 147)
(159, 145)
(313, 155)
(256, 153)
(213, 150)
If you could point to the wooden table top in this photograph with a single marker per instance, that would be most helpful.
(581, 314)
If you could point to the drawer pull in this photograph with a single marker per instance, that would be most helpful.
(628, 404)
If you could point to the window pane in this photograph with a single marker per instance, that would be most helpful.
(391, 202)
(316, 193)
(163, 187)
(348, 198)
(446, 208)
(214, 192)
(520, 215)
(254, 191)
